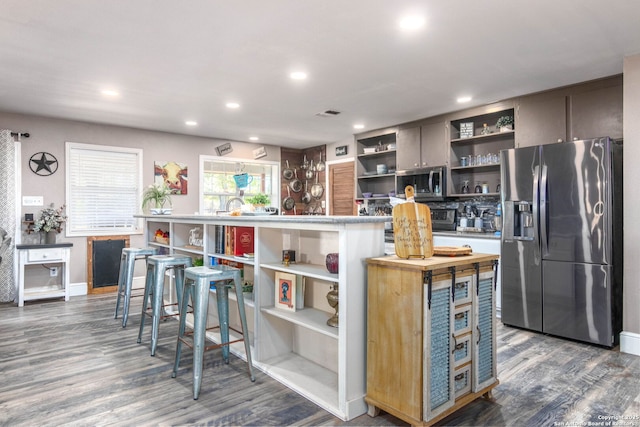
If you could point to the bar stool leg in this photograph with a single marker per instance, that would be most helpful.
(145, 301)
(200, 309)
(158, 302)
(243, 322)
(128, 275)
(222, 297)
(121, 276)
(184, 307)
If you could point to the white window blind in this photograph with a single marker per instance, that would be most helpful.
(103, 189)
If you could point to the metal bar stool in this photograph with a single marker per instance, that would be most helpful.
(157, 265)
(125, 278)
(197, 283)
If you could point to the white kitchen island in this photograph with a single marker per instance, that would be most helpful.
(327, 365)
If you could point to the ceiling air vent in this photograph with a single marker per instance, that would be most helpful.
(328, 113)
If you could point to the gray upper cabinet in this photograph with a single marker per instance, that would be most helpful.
(541, 120)
(582, 111)
(422, 146)
(596, 113)
(408, 148)
(435, 144)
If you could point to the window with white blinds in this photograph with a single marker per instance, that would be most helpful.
(103, 189)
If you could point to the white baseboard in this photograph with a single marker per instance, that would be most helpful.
(77, 289)
(630, 343)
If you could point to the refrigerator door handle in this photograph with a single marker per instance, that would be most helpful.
(543, 210)
(535, 211)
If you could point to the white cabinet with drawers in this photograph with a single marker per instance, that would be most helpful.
(43, 271)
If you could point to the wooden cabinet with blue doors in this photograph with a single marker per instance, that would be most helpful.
(431, 335)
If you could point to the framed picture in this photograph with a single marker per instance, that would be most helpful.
(289, 291)
(341, 151)
(466, 130)
(259, 152)
(172, 174)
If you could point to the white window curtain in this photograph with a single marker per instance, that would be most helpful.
(9, 185)
(103, 189)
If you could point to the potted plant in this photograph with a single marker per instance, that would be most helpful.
(505, 123)
(247, 290)
(260, 200)
(157, 195)
(50, 222)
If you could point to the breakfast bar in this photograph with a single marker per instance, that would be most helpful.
(294, 345)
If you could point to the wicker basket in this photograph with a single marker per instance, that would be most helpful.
(163, 240)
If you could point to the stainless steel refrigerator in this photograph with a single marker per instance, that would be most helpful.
(561, 248)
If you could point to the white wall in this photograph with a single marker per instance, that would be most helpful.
(631, 108)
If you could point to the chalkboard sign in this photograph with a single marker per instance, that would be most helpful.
(103, 261)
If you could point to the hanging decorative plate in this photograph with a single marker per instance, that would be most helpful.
(43, 164)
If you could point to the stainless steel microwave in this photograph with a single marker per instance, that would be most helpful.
(428, 183)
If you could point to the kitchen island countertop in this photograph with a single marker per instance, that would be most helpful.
(253, 219)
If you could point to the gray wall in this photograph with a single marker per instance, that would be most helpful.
(50, 135)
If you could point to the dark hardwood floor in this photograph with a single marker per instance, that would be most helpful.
(73, 364)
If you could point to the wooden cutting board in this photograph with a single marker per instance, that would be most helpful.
(412, 228)
(451, 250)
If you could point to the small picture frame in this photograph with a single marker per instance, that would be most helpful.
(259, 153)
(466, 129)
(289, 291)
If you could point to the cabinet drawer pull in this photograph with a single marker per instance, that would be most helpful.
(460, 346)
(459, 316)
(459, 377)
(461, 285)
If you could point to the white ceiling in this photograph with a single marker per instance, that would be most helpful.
(177, 60)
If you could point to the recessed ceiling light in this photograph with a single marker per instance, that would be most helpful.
(233, 105)
(110, 92)
(412, 22)
(253, 138)
(298, 75)
(464, 99)
(191, 123)
(358, 126)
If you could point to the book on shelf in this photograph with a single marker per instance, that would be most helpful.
(289, 291)
(218, 239)
(238, 240)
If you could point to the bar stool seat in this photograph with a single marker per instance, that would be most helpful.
(157, 265)
(125, 278)
(197, 284)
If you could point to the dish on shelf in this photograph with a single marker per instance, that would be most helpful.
(366, 195)
(248, 255)
(379, 195)
(369, 173)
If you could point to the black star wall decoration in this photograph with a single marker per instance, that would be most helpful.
(43, 164)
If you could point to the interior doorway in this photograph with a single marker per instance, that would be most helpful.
(342, 188)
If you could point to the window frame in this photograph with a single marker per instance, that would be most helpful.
(103, 231)
(275, 196)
